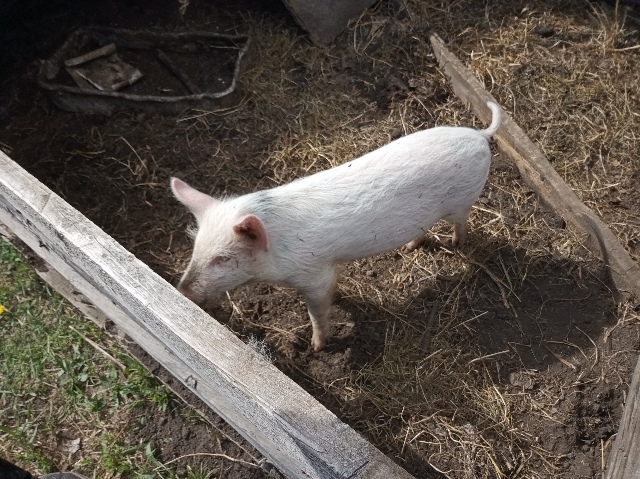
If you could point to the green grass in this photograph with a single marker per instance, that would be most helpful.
(54, 384)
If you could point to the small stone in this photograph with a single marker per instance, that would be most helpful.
(523, 380)
(544, 31)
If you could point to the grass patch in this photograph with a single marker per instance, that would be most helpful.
(63, 402)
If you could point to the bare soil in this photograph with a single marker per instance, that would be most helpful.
(507, 358)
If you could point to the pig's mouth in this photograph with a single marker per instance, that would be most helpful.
(192, 291)
(197, 295)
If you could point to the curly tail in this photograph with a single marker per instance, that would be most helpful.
(495, 121)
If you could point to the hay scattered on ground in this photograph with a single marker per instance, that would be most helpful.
(506, 358)
(475, 429)
(567, 71)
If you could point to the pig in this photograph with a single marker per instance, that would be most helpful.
(298, 233)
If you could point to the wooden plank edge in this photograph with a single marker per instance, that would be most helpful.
(624, 458)
(540, 175)
(289, 427)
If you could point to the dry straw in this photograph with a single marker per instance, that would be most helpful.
(436, 389)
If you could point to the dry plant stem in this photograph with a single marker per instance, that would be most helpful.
(200, 454)
(426, 342)
(497, 282)
(98, 348)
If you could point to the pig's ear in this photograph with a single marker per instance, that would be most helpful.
(251, 229)
(193, 199)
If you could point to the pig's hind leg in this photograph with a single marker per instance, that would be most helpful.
(319, 295)
(413, 244)
(460, 227)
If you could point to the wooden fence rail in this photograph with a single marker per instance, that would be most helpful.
(288, 426)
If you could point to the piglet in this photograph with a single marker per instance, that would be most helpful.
(296, 234)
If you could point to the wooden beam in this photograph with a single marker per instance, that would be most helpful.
(624, 459)
(289, 427)
(541, 177)
(104, 51)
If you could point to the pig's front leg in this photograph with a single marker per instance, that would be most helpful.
(460, 227)
(318, 294)
(460, 230)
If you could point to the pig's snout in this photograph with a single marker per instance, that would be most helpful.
(186, 287)
(188, 293)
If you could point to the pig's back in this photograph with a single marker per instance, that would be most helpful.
(379, 201)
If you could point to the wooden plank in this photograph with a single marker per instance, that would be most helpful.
(540, 175)
(624, 459)
(289, 427)
(104, 51)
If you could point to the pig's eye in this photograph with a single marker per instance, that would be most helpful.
(219, 260)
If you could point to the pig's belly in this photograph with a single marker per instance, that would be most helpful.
(376, 239)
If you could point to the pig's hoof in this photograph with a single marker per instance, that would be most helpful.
(457, 242)
(318, 344)
(411, 246)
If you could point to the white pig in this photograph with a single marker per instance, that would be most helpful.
(296, 234)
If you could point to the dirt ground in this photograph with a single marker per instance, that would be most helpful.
(507, 358)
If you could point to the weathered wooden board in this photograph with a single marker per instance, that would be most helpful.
(624, 459)
(289, 427)
(540, 175)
